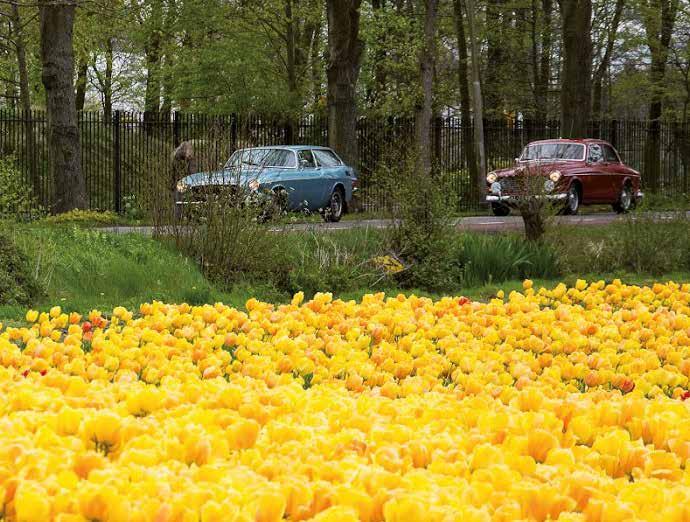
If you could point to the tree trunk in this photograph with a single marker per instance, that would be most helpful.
(82, 71)
(477, 100)
(541, 59)
(57, 58)
(598, 80)
(166, 107)
(24, 90)
(108, 81)
(659, 29)
(25, 100)
(291, 52)
(379, 84)
(424, 106)
(345, 57)
(534, 224)
(576, 79)
(468, 149)
(493, 105)
(152, 95)
(315, 66)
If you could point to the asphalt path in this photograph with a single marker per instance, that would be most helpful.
(471, 223)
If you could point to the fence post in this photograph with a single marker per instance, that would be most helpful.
(117, 164)
(436, 161)
(176, 129)
(233, 132)
(614, 133)
(289, 131)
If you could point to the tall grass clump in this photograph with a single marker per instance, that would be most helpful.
(640, 244)
(81, 269)
(487, 259)
(333, 262)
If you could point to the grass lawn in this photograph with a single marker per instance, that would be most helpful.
(85, 269)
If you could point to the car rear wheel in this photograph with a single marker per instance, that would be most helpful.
(625, 202)
(336, 207)
(500, 210)
(572, 202)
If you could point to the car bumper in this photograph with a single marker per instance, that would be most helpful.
(507, 198)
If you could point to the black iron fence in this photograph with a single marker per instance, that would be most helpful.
(122, 152)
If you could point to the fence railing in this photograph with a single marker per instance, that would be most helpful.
(123, 151)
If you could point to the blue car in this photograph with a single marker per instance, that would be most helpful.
(301, 178)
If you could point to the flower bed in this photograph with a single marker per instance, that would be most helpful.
(566, 403)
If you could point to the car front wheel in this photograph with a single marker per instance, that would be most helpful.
(625, 201)
(336, 207)
(500, 210)
(572, 202)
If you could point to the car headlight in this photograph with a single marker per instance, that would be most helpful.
(549, 185)
(181, 186)
(555, 175)
(495, 187)
(254, 184)
(491, 177)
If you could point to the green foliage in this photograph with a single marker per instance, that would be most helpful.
(339, 262)
(82, 269)
(17, 201)
(656, 202)
(18, 286)
(420, 208)
(84, 218)
(133, 208)
(487, 259)
(638, 244)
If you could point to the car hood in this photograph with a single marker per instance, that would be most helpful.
(222, 177)
(542, 168)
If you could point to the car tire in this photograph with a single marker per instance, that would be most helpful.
(336, 207)
(500, 210)
(572, 202)
(626, 200)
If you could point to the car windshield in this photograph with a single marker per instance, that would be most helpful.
(264, 158)
(553, 151)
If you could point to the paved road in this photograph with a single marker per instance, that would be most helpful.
(474, 223)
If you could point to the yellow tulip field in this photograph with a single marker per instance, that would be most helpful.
(567, 403)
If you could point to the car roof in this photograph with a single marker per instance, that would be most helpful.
(581, 141)
(288, 147)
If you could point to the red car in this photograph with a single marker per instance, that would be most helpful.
(575, 172)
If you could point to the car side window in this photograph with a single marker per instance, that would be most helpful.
(306, 159)
(595, 154)
(610, 155)
(326, 158)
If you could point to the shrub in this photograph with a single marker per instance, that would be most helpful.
(84, 218)
(420, 208)
(17, 200)
(132, 208)
(18, 286)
